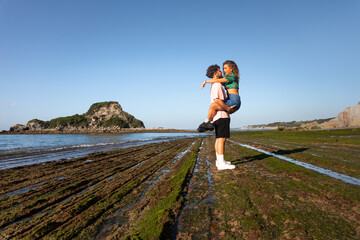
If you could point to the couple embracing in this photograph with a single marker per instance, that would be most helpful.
(223, 103)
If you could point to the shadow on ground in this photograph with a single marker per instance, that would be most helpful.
(264, 155)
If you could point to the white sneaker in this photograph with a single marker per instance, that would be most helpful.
(224, 166)
(226, 162)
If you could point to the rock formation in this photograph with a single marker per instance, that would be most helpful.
(348, 118)
(310, 125)
(100, 116)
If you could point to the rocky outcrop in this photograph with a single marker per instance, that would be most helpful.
(348, 118)
(103, 116)
(111, 114)
(18, 128)
(310, 125)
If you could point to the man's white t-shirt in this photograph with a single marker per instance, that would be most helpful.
(217, 91)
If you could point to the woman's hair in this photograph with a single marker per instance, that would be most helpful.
(211, 70)
(233, 66)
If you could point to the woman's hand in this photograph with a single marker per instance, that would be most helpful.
(203, 84)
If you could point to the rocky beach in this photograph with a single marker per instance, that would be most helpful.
(172, 190)
(107, 127)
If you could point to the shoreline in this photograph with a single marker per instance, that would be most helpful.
(129, 130)
(293, 129)
(25, 149)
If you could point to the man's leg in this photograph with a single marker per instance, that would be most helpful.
(220, 150)
(220, 146)
(221, 132)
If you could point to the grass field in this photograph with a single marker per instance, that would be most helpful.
(172, 190)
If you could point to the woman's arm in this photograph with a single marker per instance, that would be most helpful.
(214, 80)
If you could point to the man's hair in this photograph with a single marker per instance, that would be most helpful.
(233, 66)
(211, 70)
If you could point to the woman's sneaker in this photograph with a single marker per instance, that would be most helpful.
(205, 127)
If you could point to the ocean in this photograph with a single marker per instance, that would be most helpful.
(21, 150)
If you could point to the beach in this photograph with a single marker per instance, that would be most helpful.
(171, 189)
(26, 149)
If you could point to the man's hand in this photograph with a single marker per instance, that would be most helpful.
(203, 84)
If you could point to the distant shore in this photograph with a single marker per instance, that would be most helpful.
(125, 130)
(258, 128)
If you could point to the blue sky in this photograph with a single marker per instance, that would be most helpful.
(298, 60)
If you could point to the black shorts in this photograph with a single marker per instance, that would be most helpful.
(222, 128)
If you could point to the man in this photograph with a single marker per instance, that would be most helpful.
(221, 121)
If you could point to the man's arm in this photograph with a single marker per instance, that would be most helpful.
(224, 106)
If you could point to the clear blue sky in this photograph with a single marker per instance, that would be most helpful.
(298, 60)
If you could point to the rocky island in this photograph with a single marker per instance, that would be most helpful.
(101, 117)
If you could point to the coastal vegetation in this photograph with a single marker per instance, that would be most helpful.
(173, 190)
(75, 120)
(292, 124)
(61, 122)
(113, 121)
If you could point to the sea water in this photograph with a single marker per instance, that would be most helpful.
(20, 150)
